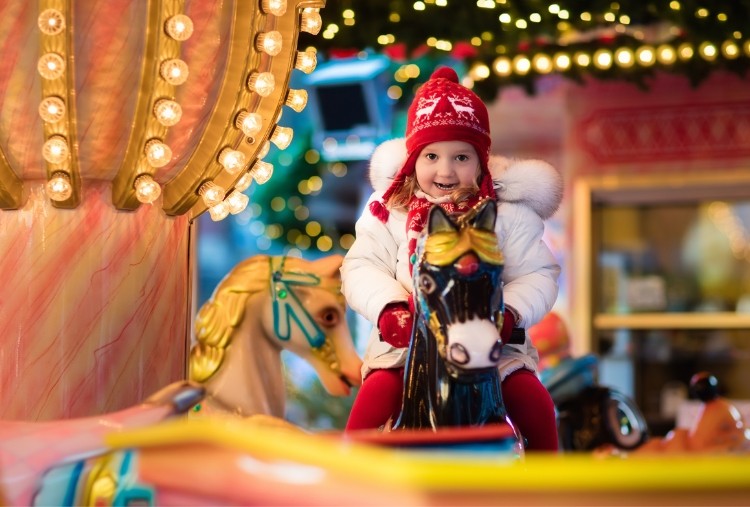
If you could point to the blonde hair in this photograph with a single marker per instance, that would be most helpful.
(400, 198)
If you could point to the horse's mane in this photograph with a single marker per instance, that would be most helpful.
(218, 318)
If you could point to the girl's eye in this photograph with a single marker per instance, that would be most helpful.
(462, 158)
(430, 156)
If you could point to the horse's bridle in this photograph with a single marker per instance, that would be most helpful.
(287, 306)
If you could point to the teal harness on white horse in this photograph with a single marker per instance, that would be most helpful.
(287, 306)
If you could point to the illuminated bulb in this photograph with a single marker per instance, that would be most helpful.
(211, 193)
(582, 59)
(666, 54)
(562, 61)
(282, 137)
(264, 149)
(167, 112)
(645, 55)
(174, 71)
(708, 51)
(685, 51)
(146, 189)
(306, 61)
(219, 211)
(542, 63)
(269, 42)
(624, 57)
(730, 50)
(249, 123)
(50, 66)
(275, 7)
(59, 187)
(237, 202)
(502, 66)
(521, 64)
(296, 99)
(158, 154)
(232, 160)
(311, 22)
(55, 150)
(179, 27)
(51, 22)
(603, 59)
(52, 109)
(244, 182)
(261, 83)
(262, 172)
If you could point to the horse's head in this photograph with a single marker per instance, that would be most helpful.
(308, 317)
(291, 303)
(458, 286)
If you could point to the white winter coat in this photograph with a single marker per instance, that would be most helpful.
(375, 271)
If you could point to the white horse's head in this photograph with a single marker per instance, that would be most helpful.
(294, 304)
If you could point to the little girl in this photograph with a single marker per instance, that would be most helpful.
(445, 160)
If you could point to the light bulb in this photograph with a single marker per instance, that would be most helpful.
(282, 137)
(55, 150)
(51, 22)
(264, 149)
(311, 22)
(297, 99)
(211, 193)
(261, 83)
(269, 42)
(146, 189)
(275, 7)
(179, 27)
(167, 112)
(502, 66)
(249, 123)
(158, 154)
(174, 71)
(237, 202)
(219, 211)
(59, 187)
(52, 109)
(306, 61)
(244, 182)
(262, 172)
(666, 54)
(232, 160)
(50, 66)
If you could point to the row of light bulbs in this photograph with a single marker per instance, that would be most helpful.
(219, 202)
(168, 113)
(604, 58)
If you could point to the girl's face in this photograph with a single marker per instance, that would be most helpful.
(444, 166)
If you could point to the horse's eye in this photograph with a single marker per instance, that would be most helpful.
(426, 284)
(329, 317)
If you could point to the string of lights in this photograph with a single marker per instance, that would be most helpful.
(507, 42)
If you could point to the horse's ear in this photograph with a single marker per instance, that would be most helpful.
(328, 265)
(439, 221)
(486, 216)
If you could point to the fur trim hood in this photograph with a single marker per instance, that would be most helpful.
(531, 182)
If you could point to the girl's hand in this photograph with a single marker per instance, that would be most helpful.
(395, 324)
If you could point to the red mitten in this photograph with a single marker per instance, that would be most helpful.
(395, 323)
(509, 322)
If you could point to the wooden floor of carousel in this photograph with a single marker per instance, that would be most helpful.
(215, 460)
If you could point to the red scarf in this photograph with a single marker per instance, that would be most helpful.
(416, 218)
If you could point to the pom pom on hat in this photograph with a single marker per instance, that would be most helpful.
(443, 110)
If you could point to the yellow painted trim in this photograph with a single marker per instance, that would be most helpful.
(11, 186)
(159, 46)
(63, 87)
(717, 320)
(447, 471)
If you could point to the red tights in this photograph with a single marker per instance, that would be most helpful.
(528, 403)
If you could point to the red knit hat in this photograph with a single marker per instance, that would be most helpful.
(443, 110)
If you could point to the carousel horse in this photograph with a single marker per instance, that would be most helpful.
(451, 376)
(28, 450)
(266, 304)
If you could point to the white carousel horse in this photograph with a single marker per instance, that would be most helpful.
(266, 304)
